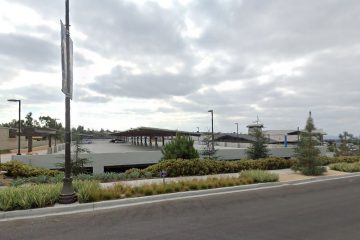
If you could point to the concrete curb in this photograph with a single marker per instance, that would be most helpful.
(89, 207)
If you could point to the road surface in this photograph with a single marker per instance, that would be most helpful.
(322, 210)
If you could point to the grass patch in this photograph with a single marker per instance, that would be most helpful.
(14, 198)
(345, 167)
(260, 176)
(35, 196)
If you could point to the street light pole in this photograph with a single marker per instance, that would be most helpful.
(212, 128)
(237, 129)
(55, 128)
(19, 131)
(67, 193)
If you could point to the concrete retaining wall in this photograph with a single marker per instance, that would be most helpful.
(98, 160)
(101, 160)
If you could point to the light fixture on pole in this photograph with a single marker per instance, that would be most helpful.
(212, 128)
(19, 130)
(237, 129)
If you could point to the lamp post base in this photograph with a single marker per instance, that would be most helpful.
(67, 195)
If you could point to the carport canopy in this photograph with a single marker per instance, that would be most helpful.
(152, 132)
(31, 132)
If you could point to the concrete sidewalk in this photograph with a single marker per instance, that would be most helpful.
(284, 176)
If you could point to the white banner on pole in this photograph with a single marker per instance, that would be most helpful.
(67, 81)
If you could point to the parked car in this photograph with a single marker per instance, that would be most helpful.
(117, 140)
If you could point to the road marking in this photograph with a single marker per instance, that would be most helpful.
(323, 180)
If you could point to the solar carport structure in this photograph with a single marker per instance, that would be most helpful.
(31, 132)
(146, 136)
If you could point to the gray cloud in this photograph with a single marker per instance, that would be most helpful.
(241, 36)
(36, 94)
(122, 84)
(21, 51)
(82, 94)
(127, 29)
(278, 28)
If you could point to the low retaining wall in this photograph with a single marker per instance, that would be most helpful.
(98, 160)
(101, 160)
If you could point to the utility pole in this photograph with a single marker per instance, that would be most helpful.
(67, 193)
(237, 129)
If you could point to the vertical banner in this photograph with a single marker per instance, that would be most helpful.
(70, 78)
(63, 58)
(67, 81)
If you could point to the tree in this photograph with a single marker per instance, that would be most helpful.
(344, 149)
(307, 153)
(29, 121)
(12, 124)
(180, 147)
(49, 122)
(80, 129)
(258, 149)
(78, 162)
(208, 152)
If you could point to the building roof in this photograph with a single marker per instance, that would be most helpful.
(316, 131)
(233, 137)
(255, 125)
(152, 132)
(36, 131)
(278, 132)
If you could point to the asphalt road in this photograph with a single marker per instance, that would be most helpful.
(323, 210)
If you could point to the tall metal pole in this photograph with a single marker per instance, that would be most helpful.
(212, 128)
(19, 153)
(67, 194)
(19, 125)
(237, 129)
(55, 128)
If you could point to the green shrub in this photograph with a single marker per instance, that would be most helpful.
(346, 167)
(340, 159)
(181, 147)
(148, 174)
(84, 177)
(259, 176)
(178, 167)
(41, 179)
(109, 177)
(133, 173)
(18, 169)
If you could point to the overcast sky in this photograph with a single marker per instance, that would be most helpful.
(166, 63)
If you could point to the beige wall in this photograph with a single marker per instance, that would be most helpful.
(12, 143)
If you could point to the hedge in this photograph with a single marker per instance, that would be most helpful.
(18, 169)
(196, 167)
(341, 159)
(345, 167)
